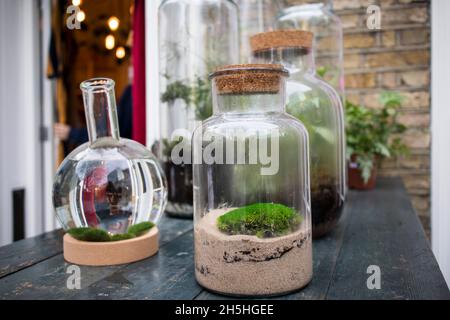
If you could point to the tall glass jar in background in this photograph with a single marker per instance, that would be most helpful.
(195, 36)
(328, 38)
(251, 188)
(318, 106)
(255, 16)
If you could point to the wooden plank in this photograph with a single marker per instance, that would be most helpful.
(385, 231)
(378, 227)
(169, 275)
(27, 252)
(325, 254)
(171, 228)
(47, 279)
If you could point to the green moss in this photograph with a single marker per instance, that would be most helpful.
(98, 235)
(89, 234)
(260, 219)
(122, 236)
(140, 228)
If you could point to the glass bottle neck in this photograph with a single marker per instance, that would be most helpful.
(101, 113)
(250, 102)
(295, 60)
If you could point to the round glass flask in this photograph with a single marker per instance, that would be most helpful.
(252, 224)
(195, 36)
(108, 183)
(318, 106)
(319, 19)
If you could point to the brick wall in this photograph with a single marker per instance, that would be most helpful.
(395, 58)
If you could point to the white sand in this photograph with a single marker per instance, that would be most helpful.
(250, 266)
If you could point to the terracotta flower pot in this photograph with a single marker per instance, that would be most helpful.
(355, 180)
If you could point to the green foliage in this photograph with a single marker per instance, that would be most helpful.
(202, 99)
(168, 145)
(198, 94)
(304, 107)
(371, 133)
(313, 108)
(98, 235)
(260, 219)
(176, 90)
(322, 71)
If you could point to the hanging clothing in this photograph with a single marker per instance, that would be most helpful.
(138, 54)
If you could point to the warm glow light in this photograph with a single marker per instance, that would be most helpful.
(113, 23)
(120, 53)
(76, 2)
(81, 16)
(110, 42)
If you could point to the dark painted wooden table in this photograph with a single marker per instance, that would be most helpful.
(378, 228)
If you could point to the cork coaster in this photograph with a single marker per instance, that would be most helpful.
(281, 39)
(248, 78)
(110, 253)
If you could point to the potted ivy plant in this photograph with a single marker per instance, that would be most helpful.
(372, 134)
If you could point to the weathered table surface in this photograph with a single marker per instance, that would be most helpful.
(378, 228)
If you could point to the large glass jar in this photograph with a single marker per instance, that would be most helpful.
(195, 36)
(255, 16)
(318, 106)
(108, 183)
(319, 19)
(252, 223)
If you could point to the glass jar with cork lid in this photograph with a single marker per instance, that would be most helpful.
(252, 224)
(318, 106)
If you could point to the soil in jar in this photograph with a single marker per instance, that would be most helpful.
(248, 265)
(179, 185)
(326, 208)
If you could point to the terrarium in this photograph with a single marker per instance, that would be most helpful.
(252, 224)
(318, 106)
(109, 189)
(319, 19)
(255, 16)
(195, 36)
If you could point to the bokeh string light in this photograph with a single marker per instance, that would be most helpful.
(113, 23)
(81, 16)
(110, 42)
(120, 52)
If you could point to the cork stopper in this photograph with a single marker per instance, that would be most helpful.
(281, 39)
(248, 78)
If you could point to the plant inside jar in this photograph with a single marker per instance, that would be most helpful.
(91, 234)
(198, 96)
(312, 108)
(264, 220)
